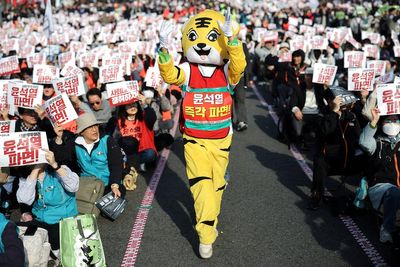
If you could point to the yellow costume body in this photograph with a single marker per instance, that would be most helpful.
(215, 65)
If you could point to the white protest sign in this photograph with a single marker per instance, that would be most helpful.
(374, 37)
(111, 73)
(7, 127)
(35, 59)
(324, 73)
(71, 70)
(122, 93)
(26, 51)
(3, 97)
(72, 85)
(354, 59)
(9, 65)
(396, 50)
(293, 21)
(371, 50)
(23, 148)
(396, 80)
(66, 57)
(44, 74)
(59, 109)
(360, 79)
(24, 95)
(388, 99)
(319, 42)
(153, 77)
(88, 60)
(378, 65)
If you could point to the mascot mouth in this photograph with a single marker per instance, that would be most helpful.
(202, 52)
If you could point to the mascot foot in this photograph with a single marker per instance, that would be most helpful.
(205, 251)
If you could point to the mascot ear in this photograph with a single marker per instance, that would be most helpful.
(184, 26)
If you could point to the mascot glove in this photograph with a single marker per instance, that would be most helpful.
(228, 24)
(165, 30)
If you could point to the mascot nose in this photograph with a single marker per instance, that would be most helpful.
(201, 45)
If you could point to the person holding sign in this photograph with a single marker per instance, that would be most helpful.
(383, 178)
(336, 149)
(50, 188)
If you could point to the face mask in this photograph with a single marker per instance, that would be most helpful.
(391, 129)
(148, 93)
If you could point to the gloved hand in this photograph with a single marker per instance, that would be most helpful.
(165, 30)
(226, 28)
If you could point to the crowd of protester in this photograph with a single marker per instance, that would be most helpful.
(105, 140)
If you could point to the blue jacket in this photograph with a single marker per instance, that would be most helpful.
(95, 163)
(54, 202)
(3, 223)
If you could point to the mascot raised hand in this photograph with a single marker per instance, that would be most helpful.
(215, 64)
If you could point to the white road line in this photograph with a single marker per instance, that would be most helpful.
(132, 249)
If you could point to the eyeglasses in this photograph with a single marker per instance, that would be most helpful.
(95, 103)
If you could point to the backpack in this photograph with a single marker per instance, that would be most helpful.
(90, 190)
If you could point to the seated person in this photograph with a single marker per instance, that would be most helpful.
(91, 154)
(51, 189)
(306, 104)
(135, 127)
(100, 107)
(11, 247)
(336, 149)
(383, 178)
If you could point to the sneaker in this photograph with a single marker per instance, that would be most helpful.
(385, 236)
(315, 201)
(241, 126)
(205, 251)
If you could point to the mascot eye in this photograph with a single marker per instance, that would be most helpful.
(212, 36)
(192, 35)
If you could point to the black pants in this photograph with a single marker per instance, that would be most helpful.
(52, 229)
(325, 166)
(239, 102)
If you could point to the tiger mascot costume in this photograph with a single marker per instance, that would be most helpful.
(216, 62)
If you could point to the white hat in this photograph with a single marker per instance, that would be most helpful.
(85, 121)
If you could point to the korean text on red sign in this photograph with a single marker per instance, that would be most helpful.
(388, 98)
(24, 148)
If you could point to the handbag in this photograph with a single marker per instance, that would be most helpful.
(110, 206)
(80, 242)
(36, 245)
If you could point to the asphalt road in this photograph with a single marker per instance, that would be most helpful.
(263, 222)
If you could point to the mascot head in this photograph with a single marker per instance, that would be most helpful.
(203, 42)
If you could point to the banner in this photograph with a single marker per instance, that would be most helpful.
(111, 73)
(23, 148)
(59, 109)
(324, 73)
(360, 79)
(9, 65)
(44, 74)
(388, 99)
(378, 65)
(7, 127)
(48, 26)
(122, 93)
(354, 59)
(72, 85)
(24, 95)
